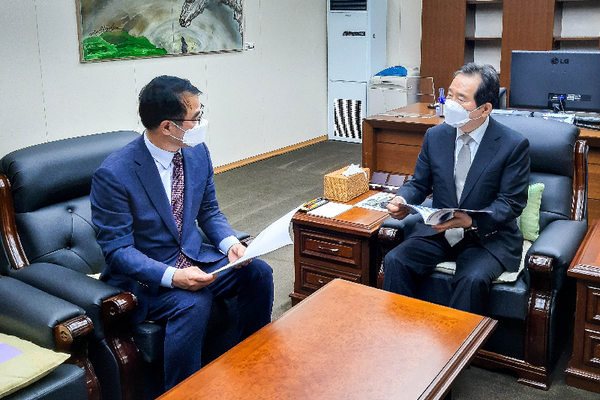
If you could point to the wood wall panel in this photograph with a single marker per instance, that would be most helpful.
(396, 158)
(526, 25)
(443, 39)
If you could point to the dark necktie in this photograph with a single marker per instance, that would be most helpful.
(177, 185)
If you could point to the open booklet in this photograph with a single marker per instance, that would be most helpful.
(436, 216)
(272, 238)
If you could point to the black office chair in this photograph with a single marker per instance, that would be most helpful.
(535, 311)
(50, 243)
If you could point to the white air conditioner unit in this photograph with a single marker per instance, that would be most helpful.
(356, 47)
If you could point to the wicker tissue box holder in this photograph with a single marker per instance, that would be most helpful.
(344, 188)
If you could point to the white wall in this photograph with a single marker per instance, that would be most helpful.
(257, 101)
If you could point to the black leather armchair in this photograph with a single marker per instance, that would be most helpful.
(50, 243)
(535, 312)
(55, 324)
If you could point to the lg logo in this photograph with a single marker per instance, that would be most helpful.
(556, 60)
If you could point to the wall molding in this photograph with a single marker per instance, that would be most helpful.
(270, 154)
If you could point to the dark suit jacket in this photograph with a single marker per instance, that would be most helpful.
(497, 181)
(137, 230)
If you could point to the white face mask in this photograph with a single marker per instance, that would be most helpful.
(194, 136)
(456, 116)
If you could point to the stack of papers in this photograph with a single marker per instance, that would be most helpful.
(330, 210)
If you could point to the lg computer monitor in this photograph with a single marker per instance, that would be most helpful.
(556, 80)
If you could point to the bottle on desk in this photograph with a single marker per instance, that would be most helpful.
(439, 107)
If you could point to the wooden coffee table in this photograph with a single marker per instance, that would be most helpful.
(346, 341)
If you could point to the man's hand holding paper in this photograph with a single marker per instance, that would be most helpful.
(397, 209)
(236, 252)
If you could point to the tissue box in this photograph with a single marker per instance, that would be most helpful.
(344, 188)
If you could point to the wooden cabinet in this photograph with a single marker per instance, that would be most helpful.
(341, 247)
(487, 31)
(584, 367)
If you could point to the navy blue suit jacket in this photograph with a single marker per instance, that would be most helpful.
(137, 230)
(497, 181)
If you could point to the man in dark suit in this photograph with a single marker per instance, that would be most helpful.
(146, 199)
(471, 162)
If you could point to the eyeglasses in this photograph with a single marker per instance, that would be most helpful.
(192, 120)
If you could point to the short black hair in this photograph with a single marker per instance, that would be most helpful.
(489, 88)
(163, 98)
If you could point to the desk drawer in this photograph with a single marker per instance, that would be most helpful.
(333, 249)
(591, 348)
(593, 306)
(314, 277)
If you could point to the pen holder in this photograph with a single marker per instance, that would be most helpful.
(344, 188)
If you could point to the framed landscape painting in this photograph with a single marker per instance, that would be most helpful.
(117, 29)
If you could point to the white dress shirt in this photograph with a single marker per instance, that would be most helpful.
(476, 135)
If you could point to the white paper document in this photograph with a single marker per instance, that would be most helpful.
(330, 210)
(274, 237)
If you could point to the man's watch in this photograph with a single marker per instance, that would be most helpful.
(472, 228)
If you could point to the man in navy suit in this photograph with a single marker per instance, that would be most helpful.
(146, 199)
(491, 174)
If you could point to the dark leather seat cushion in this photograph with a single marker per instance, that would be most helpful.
(507, 300)
(64, 382)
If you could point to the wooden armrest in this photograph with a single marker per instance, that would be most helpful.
(540, 271)
(388, 234)
(72, 331)
(8, 227)
(246, 242)
(118, 306)
(116, 313)
(70, 338)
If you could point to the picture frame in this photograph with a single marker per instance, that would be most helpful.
(126, 29)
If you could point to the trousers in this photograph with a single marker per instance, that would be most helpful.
(185, 314)
(409, 263)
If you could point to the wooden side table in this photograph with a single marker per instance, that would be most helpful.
(584, 367)
(341, 247)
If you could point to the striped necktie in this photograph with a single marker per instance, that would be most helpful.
(177, 186)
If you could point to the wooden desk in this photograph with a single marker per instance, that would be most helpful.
(392, 144)
(347, 341)
(584, 367)
(341, 247)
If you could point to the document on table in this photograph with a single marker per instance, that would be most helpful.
(274, 237)
(330, 210)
